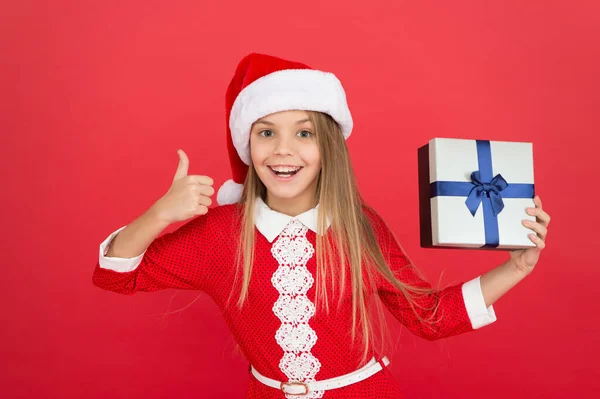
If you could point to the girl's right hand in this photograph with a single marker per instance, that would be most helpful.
(188, 196)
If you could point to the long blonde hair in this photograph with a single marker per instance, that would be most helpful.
(338, 196)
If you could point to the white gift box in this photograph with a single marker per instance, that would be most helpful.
(485, 209)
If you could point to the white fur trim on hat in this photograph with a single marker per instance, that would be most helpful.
(229, 193)
(289, 89)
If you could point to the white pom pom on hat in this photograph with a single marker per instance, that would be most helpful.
(262, 85)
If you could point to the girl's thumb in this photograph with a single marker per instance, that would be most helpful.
(182, 168)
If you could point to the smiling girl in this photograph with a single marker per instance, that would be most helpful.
(292, 255)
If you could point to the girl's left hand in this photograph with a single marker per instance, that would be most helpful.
(526, 259)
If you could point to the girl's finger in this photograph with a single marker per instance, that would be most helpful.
(540, 244)
(538, 211)
(544, 218)
(541, 215)
(537, 227)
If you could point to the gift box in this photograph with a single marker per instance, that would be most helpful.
(474, 193)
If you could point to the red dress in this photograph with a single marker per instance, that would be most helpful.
(278, 329)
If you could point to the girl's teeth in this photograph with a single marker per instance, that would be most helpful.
(285, 173)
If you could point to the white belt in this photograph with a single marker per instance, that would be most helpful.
(303, 388)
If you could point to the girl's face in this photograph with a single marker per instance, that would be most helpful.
(285, 154)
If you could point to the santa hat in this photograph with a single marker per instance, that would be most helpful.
(262, 85)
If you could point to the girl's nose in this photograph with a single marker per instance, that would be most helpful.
(283, 146)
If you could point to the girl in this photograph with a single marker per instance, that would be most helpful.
(292, 255)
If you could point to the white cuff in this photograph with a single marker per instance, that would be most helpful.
(480, 315)
(120, 265)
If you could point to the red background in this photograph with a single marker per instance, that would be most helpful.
(97, 96)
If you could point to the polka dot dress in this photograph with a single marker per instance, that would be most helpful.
(279, 329)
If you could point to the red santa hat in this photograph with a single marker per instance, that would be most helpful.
(262, 85)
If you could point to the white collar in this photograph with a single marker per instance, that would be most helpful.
(271, 223)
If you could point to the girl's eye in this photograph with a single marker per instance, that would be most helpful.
(261, 133)
(269, 133)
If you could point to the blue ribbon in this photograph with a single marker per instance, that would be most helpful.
(484, 189)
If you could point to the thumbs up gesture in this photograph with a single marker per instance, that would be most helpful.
(187, 197)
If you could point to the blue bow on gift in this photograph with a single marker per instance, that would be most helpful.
(492, 190)
(484, 189)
